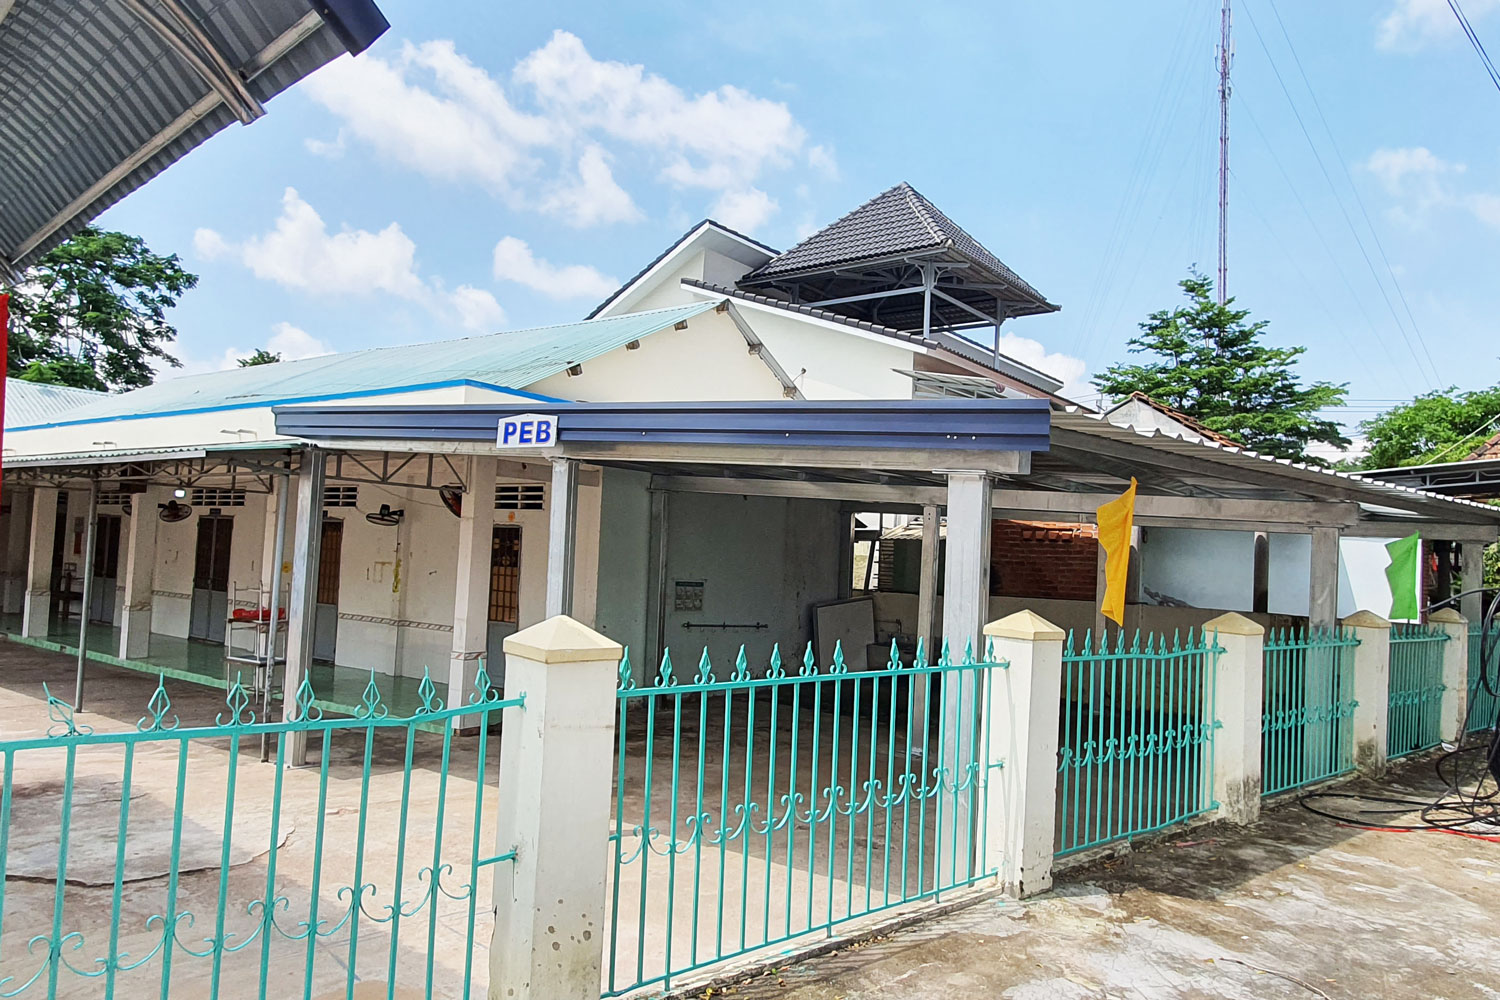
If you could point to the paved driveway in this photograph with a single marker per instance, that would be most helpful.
(1295, 907)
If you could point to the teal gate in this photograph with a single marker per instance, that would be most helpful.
(1416, 692)
(1484, 705)
(752, 809)
(166, 861)
(1135, 750)
(1307, 717)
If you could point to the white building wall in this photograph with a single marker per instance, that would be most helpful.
(707, 360)
(1207, 569)
(826, 363)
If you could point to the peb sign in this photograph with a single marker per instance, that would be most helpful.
(528, 430)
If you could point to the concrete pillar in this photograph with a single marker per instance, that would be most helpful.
(1020, 717)
(307, 543)
(139, 544)
(471, 592)
(927, 580)
(556, 759)
(1471, 579)
(966, 599)
(43, 540)
(1237, 684)
(562, 536)
(1372, 690)
(17, 547)
(1323, 591)
(1455, 672)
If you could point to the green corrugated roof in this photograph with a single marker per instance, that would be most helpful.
(511, 360)
(36, 402)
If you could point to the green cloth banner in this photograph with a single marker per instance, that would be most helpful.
(1401, 574)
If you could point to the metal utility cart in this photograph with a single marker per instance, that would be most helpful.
(254, 644)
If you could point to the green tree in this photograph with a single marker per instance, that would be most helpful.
(260, 357)
(1444, 425)
(1214, 367)
(91, 313)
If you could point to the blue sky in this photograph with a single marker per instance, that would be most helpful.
(488, 166)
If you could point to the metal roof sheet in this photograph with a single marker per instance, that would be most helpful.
(1279, 473)
(97, 101)
(895, 222)
(509, 360)
(36, 403)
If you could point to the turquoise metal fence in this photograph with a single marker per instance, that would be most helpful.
(1416, 692)
(1307, 713)
(166, 861)
(751, 809)
(1484, 705)
(1135, 751)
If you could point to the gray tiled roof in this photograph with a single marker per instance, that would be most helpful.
(894, 222)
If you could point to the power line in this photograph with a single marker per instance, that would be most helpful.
(1484, 57)
(1353, 230)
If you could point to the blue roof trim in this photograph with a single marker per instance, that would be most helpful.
(294, 401)
(953, 424)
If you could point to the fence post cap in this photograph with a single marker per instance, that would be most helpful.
(1365, 619)
(1447, 616)
(1233, 623)
(561, 639)
(1024, 625)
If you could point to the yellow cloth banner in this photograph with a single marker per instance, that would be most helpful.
(1115, 521)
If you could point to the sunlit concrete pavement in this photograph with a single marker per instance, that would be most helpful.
(1295, 906)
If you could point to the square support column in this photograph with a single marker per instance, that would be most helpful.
(17, 549)
(562, 536)
(1471, 579)
(966, 599)
(307, 545)
(1372, 690)
(1455, 673)
(1323, 589)
(140, 575)
(928, 578)
(471, 592)
(1237, 685)
(556, 764)
(1020, 717)
(43, 539)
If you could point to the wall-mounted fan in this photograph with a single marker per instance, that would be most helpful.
(127, 508)
(453, 499)
(172, 511)
(385, 517)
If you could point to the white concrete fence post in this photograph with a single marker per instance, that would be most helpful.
(1372, 690)
(556, 765)
(1238, 684)
(1020, 718)
(1455, 672)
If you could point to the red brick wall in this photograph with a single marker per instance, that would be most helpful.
(1044, 559)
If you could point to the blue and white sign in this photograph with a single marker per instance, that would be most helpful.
(528, 430)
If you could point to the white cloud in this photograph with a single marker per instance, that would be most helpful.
(821, 158)
(1421, 183)
(514, 261)
(745, 210)
(1071, 371)
(476, 308)
(327, 149)
(292, 343)
(1412, 24)
(595, 198)
(432, 110)
(210, 245)
(300, 253)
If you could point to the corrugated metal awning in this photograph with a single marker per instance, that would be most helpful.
(102, 95)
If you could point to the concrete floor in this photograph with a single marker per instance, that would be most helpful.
(116, 700)
(339, 687)
(1214, 913)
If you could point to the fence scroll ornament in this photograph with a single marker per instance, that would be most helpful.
(825, 794)
(175, 935)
